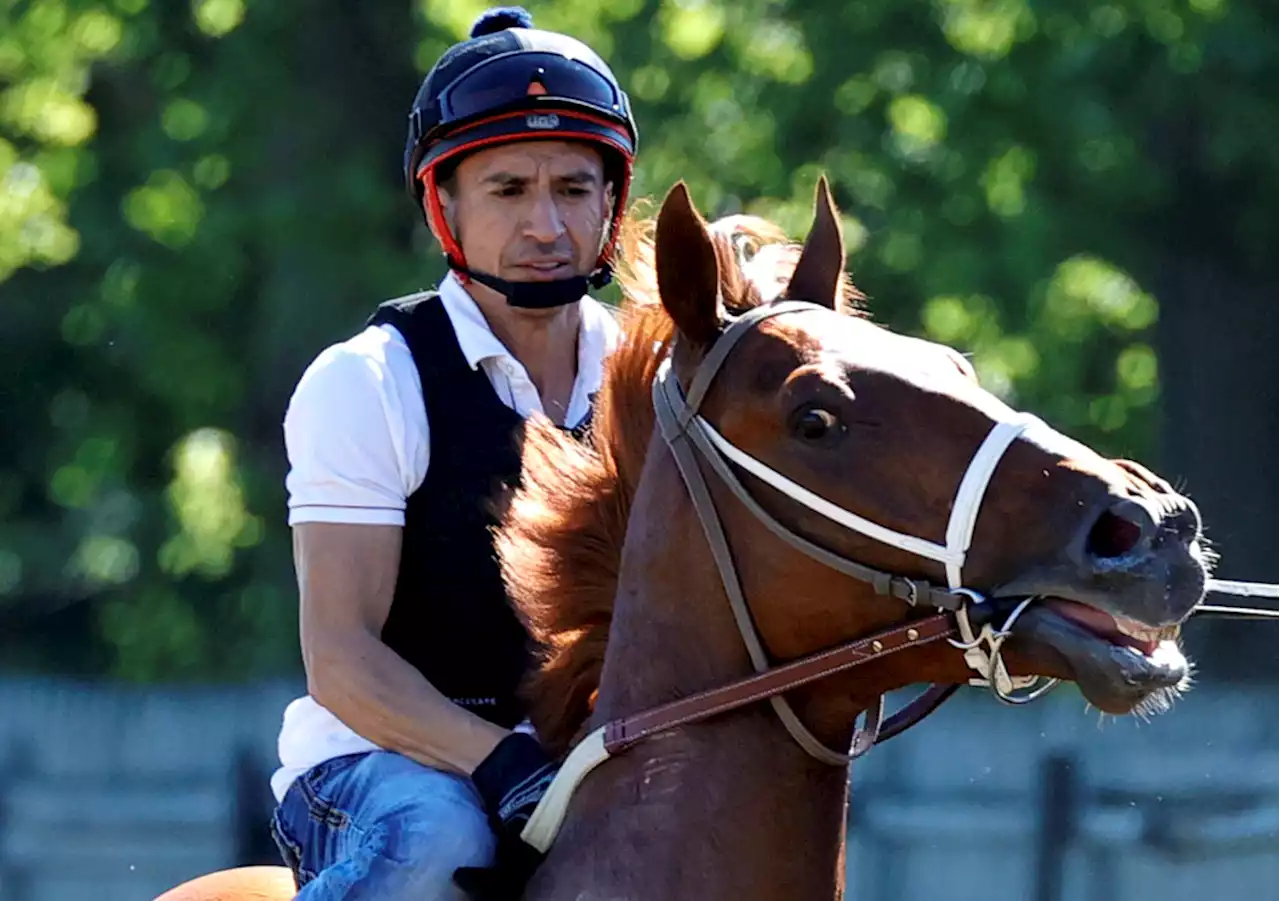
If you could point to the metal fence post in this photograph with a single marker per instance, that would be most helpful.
(253, 808)
(1059, 802)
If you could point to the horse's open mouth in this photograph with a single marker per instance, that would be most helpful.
(1121, 665)
(1115, 629)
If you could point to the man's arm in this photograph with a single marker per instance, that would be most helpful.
(346, 577)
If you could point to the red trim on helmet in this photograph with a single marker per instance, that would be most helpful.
(435, 210)
(610, 124)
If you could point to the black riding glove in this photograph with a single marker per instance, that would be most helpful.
(511, 781)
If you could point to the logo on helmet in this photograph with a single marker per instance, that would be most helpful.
(542, 121)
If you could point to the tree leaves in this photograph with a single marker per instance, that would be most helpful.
(196, 198)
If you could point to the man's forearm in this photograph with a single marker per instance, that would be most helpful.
(384, 699)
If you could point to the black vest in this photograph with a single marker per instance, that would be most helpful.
(450, 617)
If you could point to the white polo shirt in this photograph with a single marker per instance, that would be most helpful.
(358, 444)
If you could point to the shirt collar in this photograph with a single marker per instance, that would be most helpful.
(475, 338)
(597, 335)
(597, 338)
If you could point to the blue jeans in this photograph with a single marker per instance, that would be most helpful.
(380, 825)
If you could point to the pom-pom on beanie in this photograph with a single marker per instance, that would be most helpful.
(500, 18)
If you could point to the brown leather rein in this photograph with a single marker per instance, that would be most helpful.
(623, 733)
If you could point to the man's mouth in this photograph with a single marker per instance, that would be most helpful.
(545, 270)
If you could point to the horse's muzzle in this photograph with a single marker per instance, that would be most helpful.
(1137, 559)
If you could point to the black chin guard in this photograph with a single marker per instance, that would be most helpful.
(539, 295)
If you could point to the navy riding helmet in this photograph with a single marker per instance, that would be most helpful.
(512, 82)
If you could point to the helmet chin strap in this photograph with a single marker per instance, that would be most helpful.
(539, 295)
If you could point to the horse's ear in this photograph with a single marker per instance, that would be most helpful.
(688, 274)
(817, 274)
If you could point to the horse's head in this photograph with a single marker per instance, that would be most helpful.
(885, 450)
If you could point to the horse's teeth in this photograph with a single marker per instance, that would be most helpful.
(1136, 630)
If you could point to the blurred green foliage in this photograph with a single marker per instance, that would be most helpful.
(196, 198)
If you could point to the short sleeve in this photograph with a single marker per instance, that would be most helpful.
(355, 432)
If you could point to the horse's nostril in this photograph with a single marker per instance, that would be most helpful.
(1121, 528)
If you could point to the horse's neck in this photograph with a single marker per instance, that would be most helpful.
(727, 811)
(728, 808)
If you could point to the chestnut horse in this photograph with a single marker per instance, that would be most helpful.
(783, 512)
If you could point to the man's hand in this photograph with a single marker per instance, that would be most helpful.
(511, 781)
(513, 778)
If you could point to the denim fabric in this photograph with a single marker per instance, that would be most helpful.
(380, 825)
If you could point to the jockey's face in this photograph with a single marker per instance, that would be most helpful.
(530, 211)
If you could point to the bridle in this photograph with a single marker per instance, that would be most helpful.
(688, 435)
(686, 431)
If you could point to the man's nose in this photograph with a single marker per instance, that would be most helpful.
(545, 224)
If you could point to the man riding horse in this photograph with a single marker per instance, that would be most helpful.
(411, 749)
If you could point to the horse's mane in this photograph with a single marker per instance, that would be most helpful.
(561, 538)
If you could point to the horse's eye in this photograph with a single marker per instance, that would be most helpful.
(814, 424)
